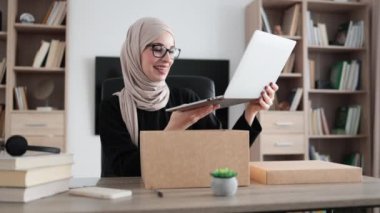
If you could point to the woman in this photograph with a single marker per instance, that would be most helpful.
(146, 57)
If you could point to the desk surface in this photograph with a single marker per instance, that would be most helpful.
(255, 197)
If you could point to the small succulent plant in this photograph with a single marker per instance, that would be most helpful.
(223, 173)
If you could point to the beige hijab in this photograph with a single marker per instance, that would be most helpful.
(139, 91)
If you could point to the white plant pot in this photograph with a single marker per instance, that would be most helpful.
(224, 186)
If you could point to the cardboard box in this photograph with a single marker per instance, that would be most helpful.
(297, 172)
(183, 159)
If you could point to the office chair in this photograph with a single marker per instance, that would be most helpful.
(204, 87)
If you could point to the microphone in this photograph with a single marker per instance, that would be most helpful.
(17, 145)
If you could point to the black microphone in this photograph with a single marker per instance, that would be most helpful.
(17, 145)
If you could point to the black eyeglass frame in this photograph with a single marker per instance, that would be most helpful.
(170, 51)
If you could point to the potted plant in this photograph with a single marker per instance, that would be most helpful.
(224, 182)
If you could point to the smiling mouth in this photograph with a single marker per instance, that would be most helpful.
(162, 69)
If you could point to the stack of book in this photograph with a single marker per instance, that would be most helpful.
(345, 75)
(56, 13)
(50, 54)
(318, 122)
(355, 34)
(33, 175)
(317, 33)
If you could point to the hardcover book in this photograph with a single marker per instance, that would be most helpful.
(33, 159)
(13, 194)
(32, 177)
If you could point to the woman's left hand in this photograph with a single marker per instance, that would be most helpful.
(263, 103)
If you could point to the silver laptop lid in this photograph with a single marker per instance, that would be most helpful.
(262, 62)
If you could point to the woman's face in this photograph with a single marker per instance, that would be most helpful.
(156, 69)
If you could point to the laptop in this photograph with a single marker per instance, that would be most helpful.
(262, 63)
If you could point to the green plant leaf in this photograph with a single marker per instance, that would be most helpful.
(223, 173)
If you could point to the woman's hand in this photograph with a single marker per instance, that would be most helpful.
(183, 120)
(264, 102)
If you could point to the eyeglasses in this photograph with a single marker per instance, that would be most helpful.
(159, 51)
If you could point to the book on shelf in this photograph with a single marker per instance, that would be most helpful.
(347, 120)
(52, 53)
(60, 54)
(35, 176)
(33, 159)
(20, 97)
(312, 73)
(56, 13)
(26, 194)
(355, 34)
(52, 5)
(325, 125)
(288, 68)
(296, 99)
(322, 34)
(317, 33)
(318, 122)
(266, 25)
(310, 28)
(313, 31)
(353, 120)
(55, 55)
(345, 75)
(41, 54)
(291, 19)
(3, 65)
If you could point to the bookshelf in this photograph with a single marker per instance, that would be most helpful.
(305, 74)
(284, 133)
(3, 56)
(42, 122)
(340, 146)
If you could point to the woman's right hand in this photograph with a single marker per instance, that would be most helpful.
(183, 120)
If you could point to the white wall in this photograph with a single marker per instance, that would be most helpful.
(212, 29)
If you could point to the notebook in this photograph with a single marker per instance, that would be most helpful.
(101, 192)
(262, 62)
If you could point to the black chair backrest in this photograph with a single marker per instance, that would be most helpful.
(202, 86)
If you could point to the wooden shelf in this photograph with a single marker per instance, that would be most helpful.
(296, 38)
(26, 69)
(291, 75)
(279, 4)
(31, 111)
(333, 6)
(336, 92)
(39, 28)
(336, 136)
(334, 48)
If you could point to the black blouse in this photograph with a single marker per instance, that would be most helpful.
(120, 157)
